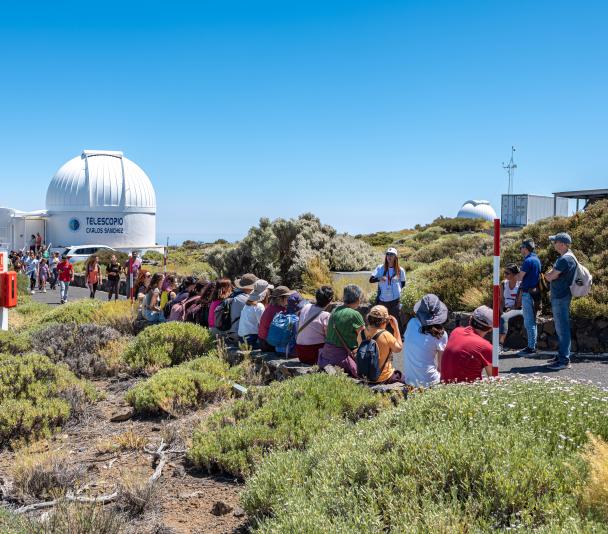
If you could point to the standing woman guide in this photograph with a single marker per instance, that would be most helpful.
(391, 281)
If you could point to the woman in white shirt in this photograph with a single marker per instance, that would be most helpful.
(391, 281)
(425, 340)
(249, 322)
(510, 303)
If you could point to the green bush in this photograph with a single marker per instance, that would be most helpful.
(183, 387)
(36, 396)
(167, 344)
(459, 224)
(284, 415)
(78, 312)
(11, 523)
(459, 458)
(13, 343)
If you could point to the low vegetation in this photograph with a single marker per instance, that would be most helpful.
(37, 396)
(13, 343)
(79, 346)
(458, 458)
(284, 415)
(189, 385)
(167, 344)
(595, 492)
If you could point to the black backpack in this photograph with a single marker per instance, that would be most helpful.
(223, 314)
(368, 358)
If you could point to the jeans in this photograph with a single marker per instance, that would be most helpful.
(63, 290)
(505, 318)
(527, 306)
(251, 340)
(561, 318)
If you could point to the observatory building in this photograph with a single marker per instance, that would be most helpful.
(99, 197)
(477, 209)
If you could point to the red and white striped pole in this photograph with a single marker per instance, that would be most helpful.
(496, 300)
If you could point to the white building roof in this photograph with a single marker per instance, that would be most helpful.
(100, 179)
(477, 209)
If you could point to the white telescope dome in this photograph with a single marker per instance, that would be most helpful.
(100, 179)
(477, 209)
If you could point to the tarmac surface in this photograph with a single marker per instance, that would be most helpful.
(585, 367)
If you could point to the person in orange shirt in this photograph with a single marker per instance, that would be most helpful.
(93, 275)
(378, 319)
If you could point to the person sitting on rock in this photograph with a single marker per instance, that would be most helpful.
(312, 328)
(378, 319)
(249, 323)
(425, 341)
(278, 304)
(468, 353)
(510, 301)
(343, 329)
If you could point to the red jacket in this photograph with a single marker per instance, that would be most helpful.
(66, 271)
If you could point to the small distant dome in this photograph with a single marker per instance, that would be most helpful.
(477, 209)
(100, 179)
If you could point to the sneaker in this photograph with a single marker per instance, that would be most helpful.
(32, 292)
(62, 301)
(558, 366)
(44, 290)
(553, 360)
(526, 352)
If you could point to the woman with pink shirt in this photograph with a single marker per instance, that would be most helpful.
(312, 327)
(223, 289)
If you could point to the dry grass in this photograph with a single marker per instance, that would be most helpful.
(72, 518)
(126, 441)
(473, 297)
(594, 498)
(42, 475)
(136, 495)
(339, 282)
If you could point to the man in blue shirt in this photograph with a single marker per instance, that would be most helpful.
(529, 276)
(561, 278)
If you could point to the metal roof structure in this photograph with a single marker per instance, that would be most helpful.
(100, 179)
(588, 195)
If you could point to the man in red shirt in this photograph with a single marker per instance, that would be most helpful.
(65, 272)
(467, 353)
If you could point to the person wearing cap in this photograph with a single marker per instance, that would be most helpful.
(468, 353)
(249, 323)
(425, 340)
(391, 281)
(312, 327)
(529, 278)
(343, 329)
(278, 304)
(561, 277)
(243, 288)
(378, 319)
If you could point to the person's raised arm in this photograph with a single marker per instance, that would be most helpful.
(398, 345)
(553, 274)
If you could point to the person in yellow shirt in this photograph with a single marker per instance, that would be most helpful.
(378, 319)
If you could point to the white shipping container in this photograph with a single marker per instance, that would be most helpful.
(521, 210)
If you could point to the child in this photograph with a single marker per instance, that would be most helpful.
(249, 323)
(43, 275)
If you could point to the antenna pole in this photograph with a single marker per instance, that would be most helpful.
(510, 168)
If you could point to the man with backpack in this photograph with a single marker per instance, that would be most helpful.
(374, 355)
(561, 278)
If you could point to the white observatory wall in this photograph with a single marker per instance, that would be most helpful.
(118, 230)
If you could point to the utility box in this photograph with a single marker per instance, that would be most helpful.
(521, 210)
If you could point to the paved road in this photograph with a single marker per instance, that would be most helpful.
(75, 293)
(593, 368)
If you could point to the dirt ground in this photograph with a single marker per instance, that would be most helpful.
(186, 499)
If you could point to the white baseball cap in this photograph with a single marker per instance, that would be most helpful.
(392, 250)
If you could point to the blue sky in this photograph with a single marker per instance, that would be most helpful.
(371, 114)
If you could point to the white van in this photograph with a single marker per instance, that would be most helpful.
(83, 252)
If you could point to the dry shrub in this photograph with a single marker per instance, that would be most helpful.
(315, 275)
(594, 498)
(136, 495)
(44, 475)
(473, 297)
(116, 314)
(126, 441)
(74, 518)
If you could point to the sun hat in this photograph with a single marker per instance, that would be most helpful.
(295, 302)
(379, 312)
(259, 290)
(392, 250)
(247, 281)
(484, 316)
(281, 291)
(562, 237)
(430, 310)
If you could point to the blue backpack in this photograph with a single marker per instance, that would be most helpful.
(282, 331)
(368, 358)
